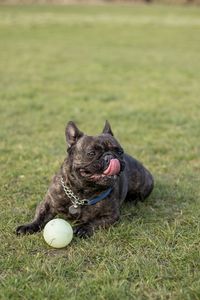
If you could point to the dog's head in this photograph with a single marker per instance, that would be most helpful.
(94, 159)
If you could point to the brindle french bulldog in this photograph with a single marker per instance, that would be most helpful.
(92, 183)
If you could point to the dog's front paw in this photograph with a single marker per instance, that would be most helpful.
(83, 231)
(27, 229)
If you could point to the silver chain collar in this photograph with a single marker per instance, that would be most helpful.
(76, 201)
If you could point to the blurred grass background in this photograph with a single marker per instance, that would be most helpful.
(138, 67)
(100, 2)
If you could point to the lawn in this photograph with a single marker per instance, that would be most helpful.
(138, 67)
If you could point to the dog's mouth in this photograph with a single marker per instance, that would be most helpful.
(112, 170)
(108, 167)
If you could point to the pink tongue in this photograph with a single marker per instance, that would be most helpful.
(113, 168)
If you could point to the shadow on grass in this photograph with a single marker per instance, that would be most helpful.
(167, 200)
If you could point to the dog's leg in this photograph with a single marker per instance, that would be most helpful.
(141, 182)
(44, 213)
(148, 186)
(87, 229)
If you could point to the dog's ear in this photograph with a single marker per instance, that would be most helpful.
(72, 133)
(107, 129)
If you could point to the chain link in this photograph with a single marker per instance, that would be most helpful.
(74, 199)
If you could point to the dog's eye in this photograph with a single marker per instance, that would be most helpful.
(91, 153)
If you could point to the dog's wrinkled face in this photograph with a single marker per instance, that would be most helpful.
(96, 159)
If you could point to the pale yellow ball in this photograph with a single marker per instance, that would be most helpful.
(58, 233)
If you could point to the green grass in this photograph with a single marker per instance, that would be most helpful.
(138, 67)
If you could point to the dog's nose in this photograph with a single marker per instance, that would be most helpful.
(107, 158)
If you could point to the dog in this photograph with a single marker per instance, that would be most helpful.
(94, 180)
